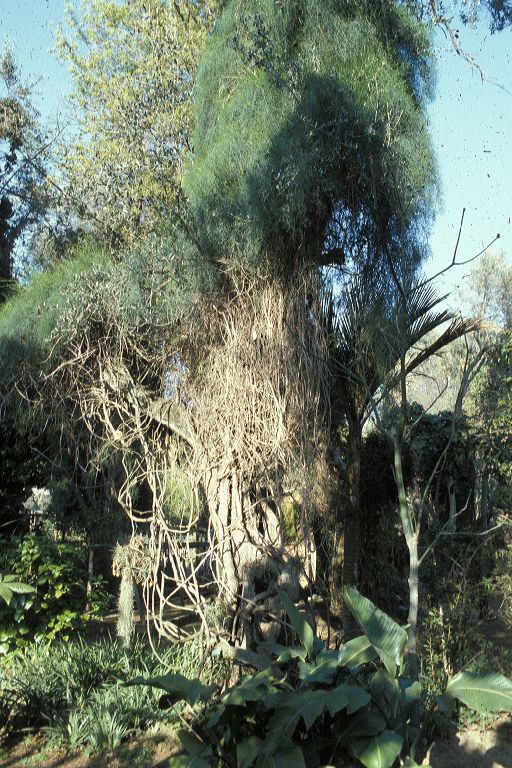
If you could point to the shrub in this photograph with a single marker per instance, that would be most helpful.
(70, 687)
(56, 606)
(308, 705)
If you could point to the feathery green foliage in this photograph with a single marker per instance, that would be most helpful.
(310, 132)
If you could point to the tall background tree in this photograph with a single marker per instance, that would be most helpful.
(23, 157)
(133, 66)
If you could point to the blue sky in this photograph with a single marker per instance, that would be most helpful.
(470, 122)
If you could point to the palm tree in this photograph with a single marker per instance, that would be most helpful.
(373, 346)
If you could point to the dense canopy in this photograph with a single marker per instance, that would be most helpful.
(311, 144)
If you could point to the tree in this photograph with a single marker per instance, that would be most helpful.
(133, 65)
(310, 150)
(23, 154)
(311, 144)
(443, 14)
(372, 333)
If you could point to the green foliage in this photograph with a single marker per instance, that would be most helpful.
(133, 67)
(312, 706)
(10, 587)
(310, 132)
(489, 692)
(54, 603)
(452, 638)
(28, 320)
(73, 689)
(64, 686)
(23, 159)
(493, 400)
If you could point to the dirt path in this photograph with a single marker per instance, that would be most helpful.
(491, 748)
(149, 752)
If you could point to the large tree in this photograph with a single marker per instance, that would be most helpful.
(310, 151)
(311, 143)
(23, 156)
(133, 65)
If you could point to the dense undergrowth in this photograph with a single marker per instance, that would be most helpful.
(74, 692)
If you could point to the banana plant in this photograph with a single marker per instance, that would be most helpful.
(310, 705)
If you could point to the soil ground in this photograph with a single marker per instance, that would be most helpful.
(491, 748)
(150, 752)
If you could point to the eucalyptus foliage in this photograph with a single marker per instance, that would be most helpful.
(133, 66)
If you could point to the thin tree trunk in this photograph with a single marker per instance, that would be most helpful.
(351, 534)
(452, 505)
(484, 501)
(411, 538)
(90, 574)
(412, 618)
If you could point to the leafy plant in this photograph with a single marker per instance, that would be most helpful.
(309, 705)
(53, 603)
(62, 688)
(9, 586)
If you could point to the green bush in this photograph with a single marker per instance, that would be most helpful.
(308, 705)
(73, 689)
(57, 605)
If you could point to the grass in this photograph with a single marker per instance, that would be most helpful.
(74, 692)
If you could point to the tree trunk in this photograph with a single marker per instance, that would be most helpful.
(411, 537)
(484, 501)
(351, 533)
(247, 531)
(412, 618)
(452, 506)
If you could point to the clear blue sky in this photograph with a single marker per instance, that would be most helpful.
(29, 25)
(470, 122)
(471, 127)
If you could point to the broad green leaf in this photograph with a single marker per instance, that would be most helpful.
(356, 698)
(177, 685)
(5, 593)
(318, 646)
(298, 622)
(247, 751)
(410, 691)
(307, 705)
(194, 746)
(386, 693)
(240, 695)
(328, 655)
(363, 724)
(186, 761)
(291, 653)
(321, 673)
(243, 656)
(259, 687)
(485, 692)
(291, 707)
(284, 653)
(208, 691)
(410, 763)
(356, 652)
(388, 638)
(215, 715)
(378, 751)
(290, 757)
(16, 586)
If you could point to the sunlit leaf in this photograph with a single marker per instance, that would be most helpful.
(378, 751)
